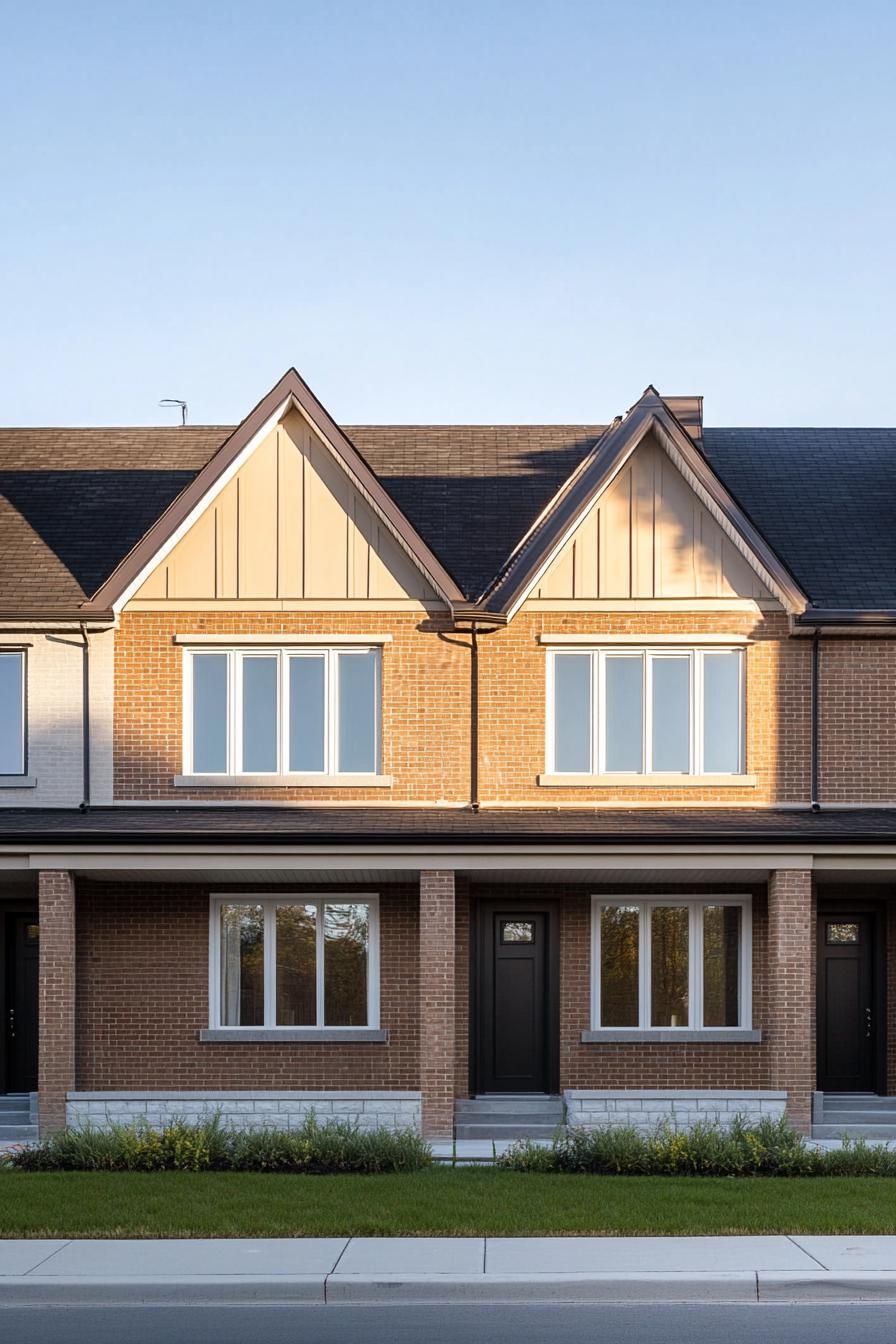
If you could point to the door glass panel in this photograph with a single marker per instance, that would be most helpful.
(242, 965)
(838, 934)
(296, 965)
(307, 716)
(12, 752)
(572, 713)
(669, 965)
(619, 937)
(259, 715)
(358, 713)
(346, 937)
(721, 713)
(209, 713)
(721, 965)
(671, 714)
(517, 931)
(624, 714)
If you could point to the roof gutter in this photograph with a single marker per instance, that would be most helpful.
(814, 617)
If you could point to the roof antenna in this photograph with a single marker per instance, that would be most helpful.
(175, 401)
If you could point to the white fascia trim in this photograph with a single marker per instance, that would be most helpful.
(373, 504)
(593, 641)
(281, 640)
(199, 508)
(226, 476)
(577, 520)
(671, 448)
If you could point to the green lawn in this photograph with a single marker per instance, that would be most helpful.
(436, 1202)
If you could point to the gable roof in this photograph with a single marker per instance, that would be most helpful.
(598, 470)
(75, 502)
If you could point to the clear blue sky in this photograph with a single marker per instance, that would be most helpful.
(448, 211)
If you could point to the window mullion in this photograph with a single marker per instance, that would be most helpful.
(598, 727)
(234, 693)
(331, 696)
(647, 691)
(697, 752)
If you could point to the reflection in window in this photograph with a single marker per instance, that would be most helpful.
(242, 965)
(669, 965)
(721, 965)
(619, 940)
(346, 930)
(842, 933)
(296, 965)
(517, 931)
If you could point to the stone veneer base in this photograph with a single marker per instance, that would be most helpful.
(245, 1110)
(645, 1109)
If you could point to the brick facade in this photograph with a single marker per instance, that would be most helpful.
(437, 1002)
(790, 981)
(56, 996)
(142, 983)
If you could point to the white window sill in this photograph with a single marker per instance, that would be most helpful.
(282, 781)
(648, 781)
(672, 1036)
(309, 1035)
(18, 781)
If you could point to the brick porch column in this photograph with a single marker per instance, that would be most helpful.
(791, 991)
(437, 991)
(56, 996)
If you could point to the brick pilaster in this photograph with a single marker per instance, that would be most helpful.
(437, 1002)
(791, 991)
(56, 1035)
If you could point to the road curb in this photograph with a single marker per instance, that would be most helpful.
(274, 1290)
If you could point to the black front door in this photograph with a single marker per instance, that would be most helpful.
(846, 1003)
(20, 1009)
(515, 1022)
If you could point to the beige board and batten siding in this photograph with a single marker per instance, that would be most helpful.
(290, 525)
(649, 536)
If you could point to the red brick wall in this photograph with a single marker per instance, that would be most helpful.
(790, 969)
(857, 720)
(611, 1065)
(142, 985)
(426, 703)
(437, 1002)
(56, 993)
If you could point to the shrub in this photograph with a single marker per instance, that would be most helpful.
(769, 1148)
(207, 1146)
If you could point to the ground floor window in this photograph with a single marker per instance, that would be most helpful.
(670, 962)
(294, 961)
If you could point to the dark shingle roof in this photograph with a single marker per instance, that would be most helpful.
(73, 502)
(595, 826)
(825, 501)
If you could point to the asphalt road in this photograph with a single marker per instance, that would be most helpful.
(449, 1325)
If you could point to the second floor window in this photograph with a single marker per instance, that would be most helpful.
(646, 711)
(12, 713)
(282, 711)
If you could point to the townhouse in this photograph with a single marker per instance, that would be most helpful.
(375, 769)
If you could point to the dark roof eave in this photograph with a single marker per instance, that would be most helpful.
(823, 616)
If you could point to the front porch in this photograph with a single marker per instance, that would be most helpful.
(493, 979)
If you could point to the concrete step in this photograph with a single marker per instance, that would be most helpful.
(858, 1117)
(853, 1131)
(18, 1133)
(509, 1108)
(511, 1101)
(15, 1118)
(857, 1101)
(508, 1131)
(498, 1121)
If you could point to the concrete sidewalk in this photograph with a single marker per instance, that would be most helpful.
(449, 1269)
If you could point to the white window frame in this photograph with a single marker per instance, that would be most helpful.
(270, 904)
(21, 654)
(235, 656)
(648, 654)
(695, 906)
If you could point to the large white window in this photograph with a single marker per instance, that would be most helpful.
(668, 962)
(668, 711)
(12, 712)
(282, 711)
(294, 961)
